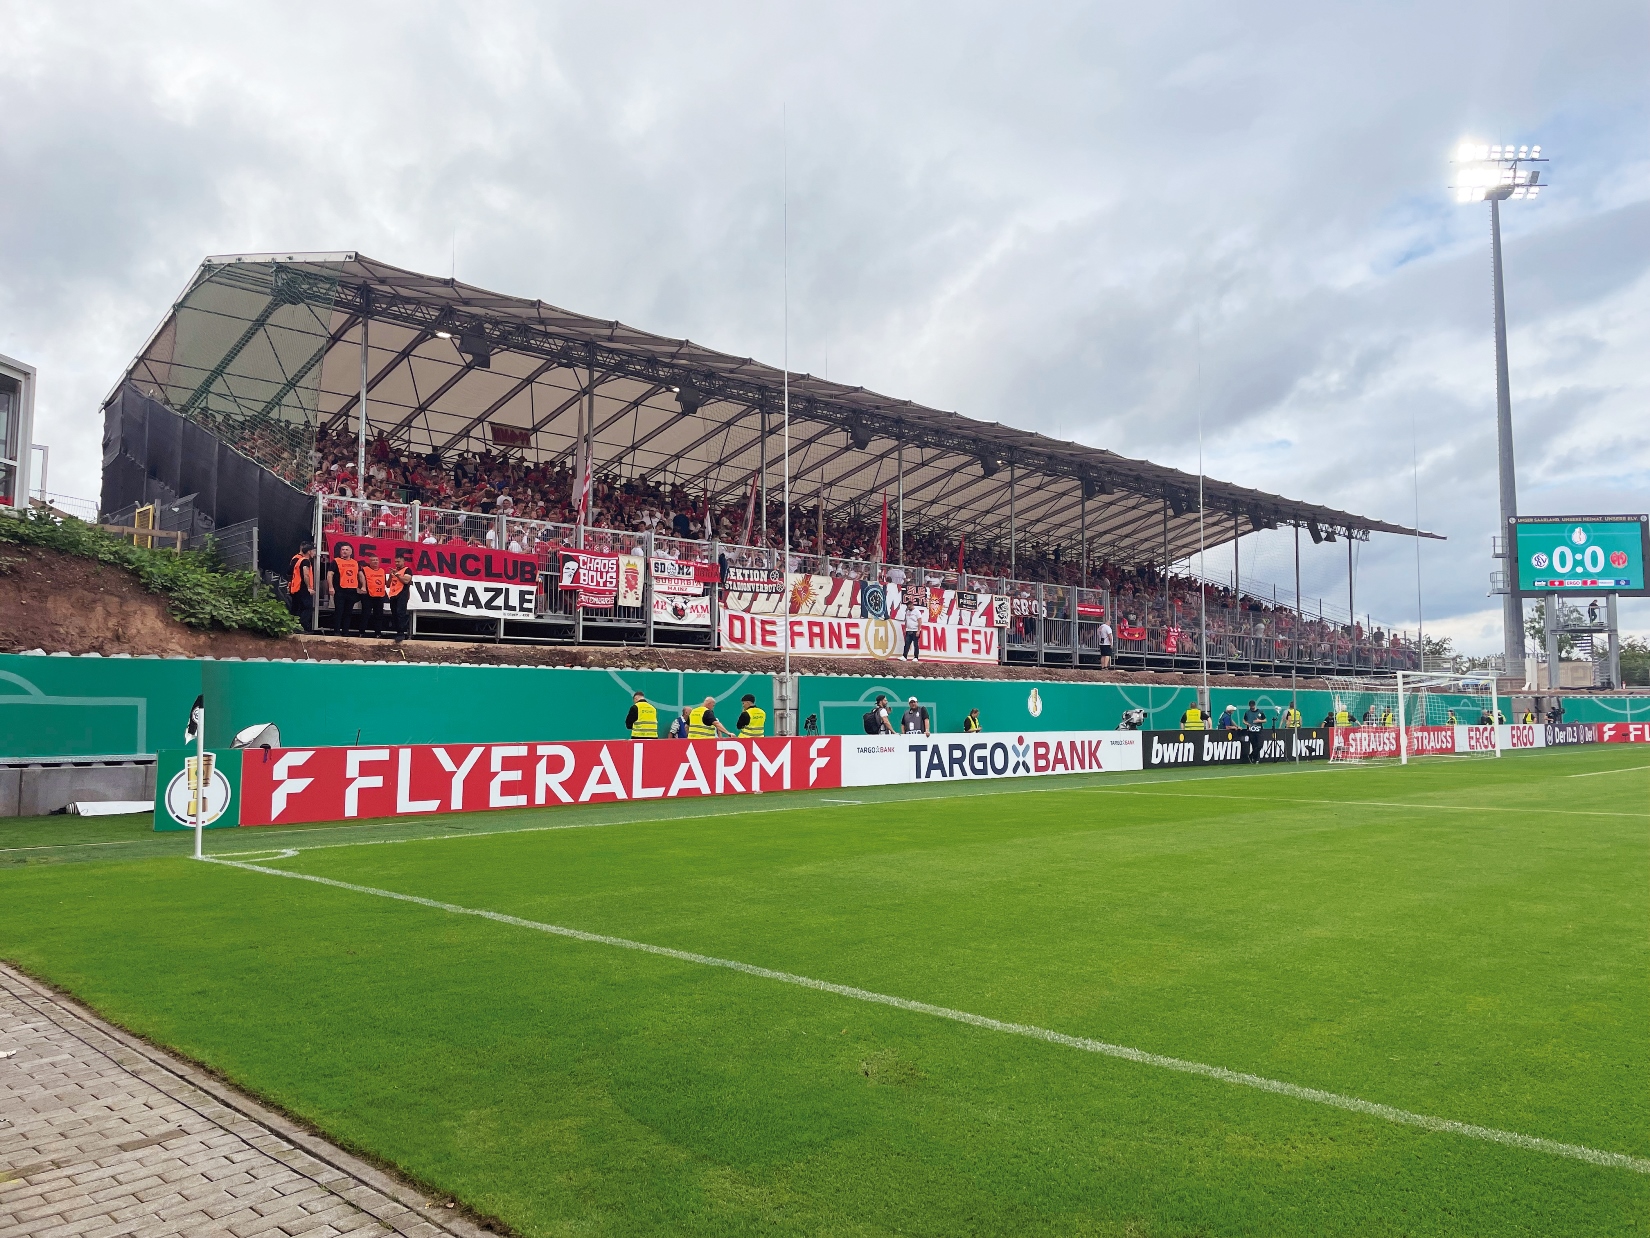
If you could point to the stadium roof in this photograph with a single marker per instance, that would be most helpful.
(265, 347)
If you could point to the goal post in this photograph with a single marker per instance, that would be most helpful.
(1407, 714)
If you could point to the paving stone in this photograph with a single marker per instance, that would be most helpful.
(128, 1143)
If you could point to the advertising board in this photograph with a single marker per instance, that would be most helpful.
(1623, 732)
(1173, 749)
(284, 786)
(879, 760)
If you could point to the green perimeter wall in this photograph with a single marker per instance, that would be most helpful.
(840, 703)
(56, 707)
(69, 707)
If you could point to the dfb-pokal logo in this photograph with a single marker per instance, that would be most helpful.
(180, 793)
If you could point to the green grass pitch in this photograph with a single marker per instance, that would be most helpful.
(1463, 939)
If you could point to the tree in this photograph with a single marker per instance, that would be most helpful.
(1535, 629)
(1635, 661)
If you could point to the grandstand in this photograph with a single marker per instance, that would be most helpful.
(335, 392)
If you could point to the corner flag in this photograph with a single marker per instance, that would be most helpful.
(197, 716)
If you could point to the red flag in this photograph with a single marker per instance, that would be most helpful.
(962, 542)
(882, 538)
(750, 513)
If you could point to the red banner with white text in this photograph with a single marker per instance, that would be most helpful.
(854, 638)
(282, 786)
(457, 577)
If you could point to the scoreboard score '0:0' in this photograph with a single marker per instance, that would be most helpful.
(1581, 554)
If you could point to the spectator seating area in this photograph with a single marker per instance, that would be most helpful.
(503, 500)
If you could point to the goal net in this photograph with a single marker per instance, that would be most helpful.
(1412, 714)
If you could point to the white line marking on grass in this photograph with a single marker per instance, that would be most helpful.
(1284, 803)
(965, 789)
(841, 801)
(1628, 769)
(1533, 1143)
(67, 846)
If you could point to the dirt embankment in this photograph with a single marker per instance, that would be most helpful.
(63, 603)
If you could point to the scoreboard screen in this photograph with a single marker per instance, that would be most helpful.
(1581, 554)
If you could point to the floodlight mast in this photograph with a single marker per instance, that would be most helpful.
(1494, 174)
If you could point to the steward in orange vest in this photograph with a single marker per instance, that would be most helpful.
(345, 574)
(300, 597)
(373, 592)
(398, 583)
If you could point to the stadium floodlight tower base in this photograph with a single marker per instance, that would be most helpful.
(1393, 714)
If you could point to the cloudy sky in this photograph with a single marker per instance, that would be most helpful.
(1107, 222)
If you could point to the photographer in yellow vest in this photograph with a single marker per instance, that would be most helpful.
(643, 720)
(753, 719)
(1193, 720)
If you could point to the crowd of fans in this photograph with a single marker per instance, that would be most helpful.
(538, 496)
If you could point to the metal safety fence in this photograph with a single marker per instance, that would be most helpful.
(1153, 622)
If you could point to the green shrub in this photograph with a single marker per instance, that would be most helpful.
(199, 590)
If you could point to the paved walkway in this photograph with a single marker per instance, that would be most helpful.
(103, 1135)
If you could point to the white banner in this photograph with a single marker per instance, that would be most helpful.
(630, 579)
(480, 601)
(874, 639)
(675, 576)
(877, 760)
(680, 610)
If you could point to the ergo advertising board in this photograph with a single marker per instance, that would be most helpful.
(1581, 554)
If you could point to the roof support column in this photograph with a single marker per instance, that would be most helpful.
(587, 421)
(1298, 614)
(1083, 535)
(1351, 597)
(360, 425)
(1012, 567)
(1165, 538)
(899, 470)
(1236, 562)
(762, 468)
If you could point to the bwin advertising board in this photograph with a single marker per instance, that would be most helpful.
(1170, 749)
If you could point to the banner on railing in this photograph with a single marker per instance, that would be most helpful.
(682, 610)
(874, 639)
(602, 580)
(675, 576)
(762, 581)
(456, 578)
(594, 576)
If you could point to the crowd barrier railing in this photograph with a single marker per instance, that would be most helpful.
(1153, 626)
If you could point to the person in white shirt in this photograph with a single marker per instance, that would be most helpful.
(913, 633)
(1105, 644)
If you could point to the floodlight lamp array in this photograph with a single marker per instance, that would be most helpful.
(1492, 171)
